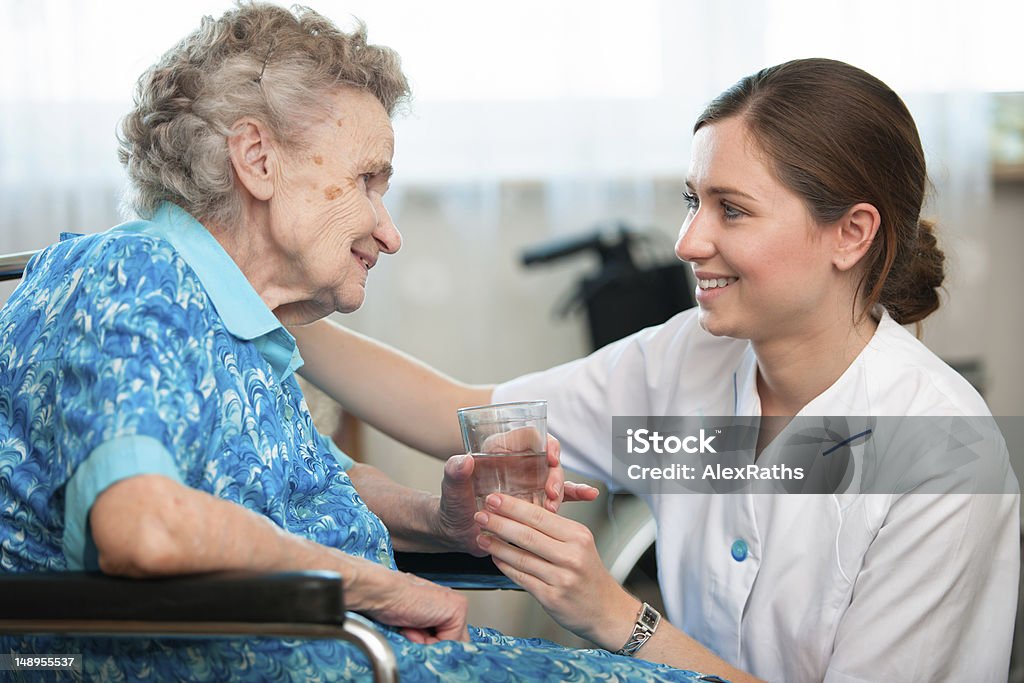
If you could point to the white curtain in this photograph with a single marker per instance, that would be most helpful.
(531, 119)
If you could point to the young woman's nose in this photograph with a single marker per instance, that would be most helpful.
(694, 243)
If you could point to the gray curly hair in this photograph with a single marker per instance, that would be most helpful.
(256, 60)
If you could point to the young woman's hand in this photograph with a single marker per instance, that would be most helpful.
(556, 487)
(556, 560)
(458, 501)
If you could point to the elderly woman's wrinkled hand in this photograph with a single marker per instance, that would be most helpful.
(458, 505)
(424, 612)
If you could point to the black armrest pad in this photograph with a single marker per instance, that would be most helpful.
(296, 597)
(446, 563)
(456, 570)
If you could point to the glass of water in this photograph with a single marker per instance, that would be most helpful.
(508, 442)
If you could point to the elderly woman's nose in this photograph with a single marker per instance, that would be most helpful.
(388, 238)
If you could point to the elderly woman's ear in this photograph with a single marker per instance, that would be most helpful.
(254, 157)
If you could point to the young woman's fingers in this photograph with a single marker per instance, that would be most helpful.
(574, 492)
(530, 583)
(533, 516)
(521, 535)
(522, 561)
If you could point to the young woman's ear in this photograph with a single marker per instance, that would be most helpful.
(253, 156)
(856, 230)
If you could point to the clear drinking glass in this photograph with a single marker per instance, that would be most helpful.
(508, 442)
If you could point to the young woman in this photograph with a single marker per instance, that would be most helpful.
(804, 232)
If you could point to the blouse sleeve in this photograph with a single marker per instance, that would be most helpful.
(131, 376)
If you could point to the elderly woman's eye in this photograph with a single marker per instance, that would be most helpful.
(691, 201)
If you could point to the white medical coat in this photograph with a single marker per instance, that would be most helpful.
(840, 588)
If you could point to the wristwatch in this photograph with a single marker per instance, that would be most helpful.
(646, 624)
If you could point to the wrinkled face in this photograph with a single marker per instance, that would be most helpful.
(328, 215)
(762, 263)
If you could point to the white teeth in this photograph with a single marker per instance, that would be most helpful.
(715, 283)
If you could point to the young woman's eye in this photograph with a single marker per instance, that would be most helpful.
(691, 201)
(731, 212)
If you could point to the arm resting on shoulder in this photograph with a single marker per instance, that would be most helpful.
(388, 389)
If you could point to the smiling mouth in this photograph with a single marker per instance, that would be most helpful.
(367, 262)
(716, 283)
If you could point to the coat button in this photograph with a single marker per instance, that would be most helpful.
(739, 550)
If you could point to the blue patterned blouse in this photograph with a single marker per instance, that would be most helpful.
(145, 350)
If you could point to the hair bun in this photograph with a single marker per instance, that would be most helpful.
(913, 296)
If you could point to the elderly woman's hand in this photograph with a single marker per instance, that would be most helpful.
(458, 505)
(424, 612)
(556, 560)
(458, 501)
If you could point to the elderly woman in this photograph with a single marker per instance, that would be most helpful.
(150, 419)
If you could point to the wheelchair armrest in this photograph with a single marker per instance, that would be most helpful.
(13, 265)
(241, 597)
(239, 604)
(455, 570)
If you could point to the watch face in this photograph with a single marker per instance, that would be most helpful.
(649, 617)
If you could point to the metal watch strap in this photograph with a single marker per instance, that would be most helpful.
(646, 624)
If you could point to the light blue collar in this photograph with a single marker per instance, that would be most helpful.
(243, 311)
